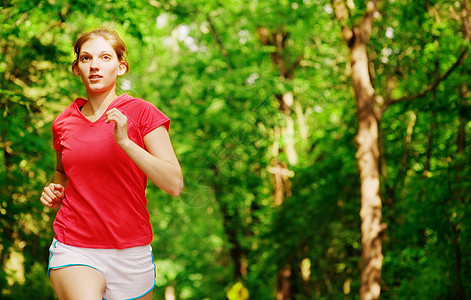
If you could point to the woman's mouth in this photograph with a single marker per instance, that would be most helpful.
(94, 77)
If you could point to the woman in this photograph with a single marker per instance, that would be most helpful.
(107, 146)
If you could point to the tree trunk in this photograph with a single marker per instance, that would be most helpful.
(367, 156)
(280, 170)
(456, 228)
(461, 147)
(230, 224)
(284, 283)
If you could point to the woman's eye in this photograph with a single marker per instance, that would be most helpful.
(84, 58)
(106, 58)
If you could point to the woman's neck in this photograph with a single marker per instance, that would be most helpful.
(99, 102)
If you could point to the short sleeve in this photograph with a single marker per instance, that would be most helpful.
(56, 137)
(151, 118)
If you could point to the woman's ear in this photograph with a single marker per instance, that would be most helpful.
(122, 68)
(76, 70)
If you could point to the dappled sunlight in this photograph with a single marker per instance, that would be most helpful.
(323, 144)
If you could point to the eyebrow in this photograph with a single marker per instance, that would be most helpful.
(102, 52)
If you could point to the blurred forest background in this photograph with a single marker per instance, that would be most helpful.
(324, 144)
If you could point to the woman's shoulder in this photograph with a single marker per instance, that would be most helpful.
(126, 99)
(142, 111)
(70, 109)
(132, 104)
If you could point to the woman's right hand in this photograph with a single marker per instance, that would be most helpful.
(52, 195)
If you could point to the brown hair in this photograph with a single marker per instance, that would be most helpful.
(110, 36)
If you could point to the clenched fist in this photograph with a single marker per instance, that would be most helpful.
(52, 195)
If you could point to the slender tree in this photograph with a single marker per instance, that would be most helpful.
(370, 108)
(367, 155)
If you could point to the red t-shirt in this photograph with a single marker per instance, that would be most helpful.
(105, 202)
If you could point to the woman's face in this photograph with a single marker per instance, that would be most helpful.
(98, 65)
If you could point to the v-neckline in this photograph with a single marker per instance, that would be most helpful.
(101, 116)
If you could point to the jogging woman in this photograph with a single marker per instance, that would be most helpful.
(107, 146)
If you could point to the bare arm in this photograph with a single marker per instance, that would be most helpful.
(54, 193)
(59, 176)
(159, 163)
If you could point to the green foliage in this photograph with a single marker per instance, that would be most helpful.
(36, 286)
(205, 65)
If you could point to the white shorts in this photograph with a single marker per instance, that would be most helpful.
(129, 273)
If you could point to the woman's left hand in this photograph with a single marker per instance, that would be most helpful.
(120, 125)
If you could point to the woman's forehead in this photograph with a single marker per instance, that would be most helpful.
(96, 44)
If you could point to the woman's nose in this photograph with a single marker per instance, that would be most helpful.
(94, 64)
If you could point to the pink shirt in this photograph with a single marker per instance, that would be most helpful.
(105, 203)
